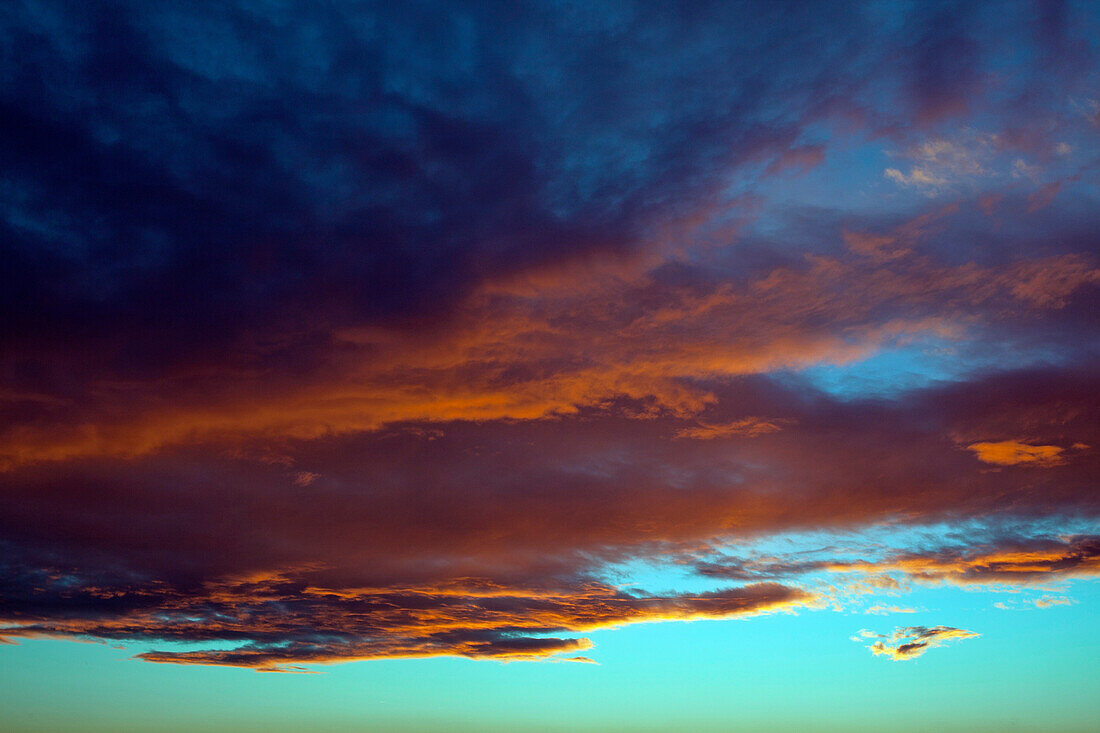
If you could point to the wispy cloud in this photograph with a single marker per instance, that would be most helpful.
(938, 163)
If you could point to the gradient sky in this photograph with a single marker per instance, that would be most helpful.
(506, 366)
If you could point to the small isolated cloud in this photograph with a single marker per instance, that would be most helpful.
(917, 177)
(305, 478)
(882, 247)
(880, 609)
(1048, 601)
(582, 660)
(1021, 169)
(1014, 452)
(910, 642)
(938, 162)
(749, 427)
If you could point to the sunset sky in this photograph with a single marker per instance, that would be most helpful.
(549, 366)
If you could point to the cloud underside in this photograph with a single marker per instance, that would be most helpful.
(286, 625)
(342, 333)
(1006, 560)
(279, 622)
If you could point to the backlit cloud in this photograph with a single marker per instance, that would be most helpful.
(910, 642)
(281, 621)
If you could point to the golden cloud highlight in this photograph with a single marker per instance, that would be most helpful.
(1015, 453)
(910, 642)
(286, 625)
(521, 351)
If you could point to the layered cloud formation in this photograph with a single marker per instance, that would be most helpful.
(337, 333)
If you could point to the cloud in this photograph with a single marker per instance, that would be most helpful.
(939, 162)
(882, 610)
(156, 549)
(1012, 561)
(508, 352)
(1045, 601)
(305, 478)
(915, 177)
(800, 160)
(347, 332)
(748, 427)
(1014, 453)
(910, 642)
(1044, 196)
(456, 254)
(1020, 169)
(498, 160)
(843, 575)
(283, 622)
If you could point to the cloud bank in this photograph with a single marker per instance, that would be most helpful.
(338, 333)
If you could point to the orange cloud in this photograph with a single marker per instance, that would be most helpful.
(749, 427)
(878, 246)
(1023, 562)
(567, 343)
(1014, 453)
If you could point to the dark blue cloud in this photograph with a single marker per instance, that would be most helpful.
(190, 174)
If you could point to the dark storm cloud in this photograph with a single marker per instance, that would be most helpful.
(648, 331)
(186, 175)
(366, 330)
(191, 177)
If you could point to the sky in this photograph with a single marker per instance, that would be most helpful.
(556, 366)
